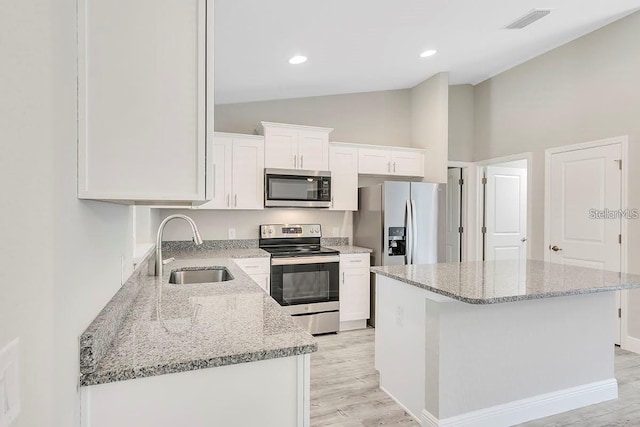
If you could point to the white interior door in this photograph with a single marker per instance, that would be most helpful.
(583, 185)
(505, 213)
(454, 191)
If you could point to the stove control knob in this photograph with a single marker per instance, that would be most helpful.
(270, 230)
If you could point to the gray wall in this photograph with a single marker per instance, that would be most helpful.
(583, 91)
(61, 257)
(381, 118)
(586, 90)
(461, 122)
(430, 124)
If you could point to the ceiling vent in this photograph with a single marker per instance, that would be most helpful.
(528, 19)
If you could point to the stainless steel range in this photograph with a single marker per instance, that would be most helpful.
(304, 276)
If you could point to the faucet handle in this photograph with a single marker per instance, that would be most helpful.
(168, 260)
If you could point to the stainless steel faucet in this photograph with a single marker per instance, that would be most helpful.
(196, 238)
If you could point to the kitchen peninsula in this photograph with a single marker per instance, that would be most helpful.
(496, 343)
(195, 354)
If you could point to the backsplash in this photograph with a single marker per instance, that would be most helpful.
(208, 245)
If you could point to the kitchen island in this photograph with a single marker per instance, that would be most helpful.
(496, 343)
(202, 354)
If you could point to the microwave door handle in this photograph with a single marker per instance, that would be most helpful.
(407, 232)
(414, 231)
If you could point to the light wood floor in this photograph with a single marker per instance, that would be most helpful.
(344, 384)
(345, 393)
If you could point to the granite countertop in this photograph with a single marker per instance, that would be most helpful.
(350, 249)
(489, 282)
(175, 328)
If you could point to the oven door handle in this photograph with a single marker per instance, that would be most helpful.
(305, 260)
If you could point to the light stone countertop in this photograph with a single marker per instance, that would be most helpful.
(489, 282)
(176, 328)
(350, 249)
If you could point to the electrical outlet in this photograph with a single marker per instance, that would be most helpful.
(232, 233)
(399, 316)
(336, 231)
(9, 383)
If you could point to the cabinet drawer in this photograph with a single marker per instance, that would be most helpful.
(354, 261)
(254, 265)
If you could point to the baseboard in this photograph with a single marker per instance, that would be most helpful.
(630, 344)
(531, 408)
(411, 414)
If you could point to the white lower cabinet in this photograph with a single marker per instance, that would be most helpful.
(354, 291)
(259, 269)
(266, 393)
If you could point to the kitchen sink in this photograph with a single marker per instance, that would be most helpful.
(209, 275)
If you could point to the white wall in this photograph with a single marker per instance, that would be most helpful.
(381, 118)
(26, 216)
(430, 124)
(61, 257)
(214, 224)
(461, 123)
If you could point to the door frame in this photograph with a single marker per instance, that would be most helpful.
(626, 342)
(479, 196)
(467, 207)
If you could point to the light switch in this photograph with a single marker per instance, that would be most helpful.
(9, 383)
(336, 231)
(232, 233)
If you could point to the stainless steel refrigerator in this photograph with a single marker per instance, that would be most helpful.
(403, 222)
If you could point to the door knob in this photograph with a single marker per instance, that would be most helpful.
(554, 248)
(524, 239)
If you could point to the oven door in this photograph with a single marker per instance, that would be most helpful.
(303, 189)
(305, 280)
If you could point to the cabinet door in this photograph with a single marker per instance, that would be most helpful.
(343, 163)
(222, 175)
(248, 174)
(140, 138)
(263, 280)
(374, 161)
(313, 150)
(407, 163)
(354, 294)
(281, 148)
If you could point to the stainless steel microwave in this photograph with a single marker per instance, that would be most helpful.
(286, 188)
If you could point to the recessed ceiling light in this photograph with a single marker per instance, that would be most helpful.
(428, 53)
(298, 59)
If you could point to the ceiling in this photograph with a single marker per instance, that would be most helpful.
(369, 45)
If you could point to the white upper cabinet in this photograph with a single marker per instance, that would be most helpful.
(391, 161)
(281, 148)
(238, 170)
(374, 161)
(343, 164)
(407, 163)
(145, 86)
(222, 175)
(295, 146)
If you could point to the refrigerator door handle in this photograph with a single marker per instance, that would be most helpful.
(414, 231)
(408, 233)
